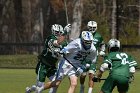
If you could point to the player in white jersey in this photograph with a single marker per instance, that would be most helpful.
(73, 54)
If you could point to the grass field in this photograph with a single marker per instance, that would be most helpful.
(16, 80)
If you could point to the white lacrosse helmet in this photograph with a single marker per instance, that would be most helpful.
(57, 29)
(87, 39)
(113, 44)
(92, 26)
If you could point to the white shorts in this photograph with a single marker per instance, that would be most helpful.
(65, 69)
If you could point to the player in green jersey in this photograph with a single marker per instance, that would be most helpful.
(67, 30)
(100, 47)
(47, 60)
(121, 66)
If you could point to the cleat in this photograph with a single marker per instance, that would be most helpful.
(28, 90)
(38, 90)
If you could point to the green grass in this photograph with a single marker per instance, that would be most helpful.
(18, 61)
(16, 80)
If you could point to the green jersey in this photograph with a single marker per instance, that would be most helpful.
(49, 55)
(120, 63)
(97, 39)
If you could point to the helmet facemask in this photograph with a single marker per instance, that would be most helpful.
(57, 30)
(87, 39)
(92, 26)
(113, 45)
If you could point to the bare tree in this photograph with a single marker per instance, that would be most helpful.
(139, 17)
(26, 8)
(77, 19)
(113, 34)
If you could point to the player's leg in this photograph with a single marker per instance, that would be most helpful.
(108, 85)
(48, 85)
(82, 80)
(40, 77)
(90, 83)
(92, 71)
(53, 90)
(73, 83)
(122, 84)
(58, 78)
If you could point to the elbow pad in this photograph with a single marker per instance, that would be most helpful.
(132, 69)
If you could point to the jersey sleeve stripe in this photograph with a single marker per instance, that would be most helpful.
(133, 64)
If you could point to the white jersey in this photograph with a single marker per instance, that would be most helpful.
(76, 54)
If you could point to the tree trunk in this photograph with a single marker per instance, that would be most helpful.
(26, 8)
(36, 22)
(113, 34)
(139, 18)
(18, 19)
(77, 19)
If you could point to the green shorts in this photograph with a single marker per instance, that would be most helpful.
(43, 70)
(122, 83)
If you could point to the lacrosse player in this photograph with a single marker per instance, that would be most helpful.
(73, 54)
(100, 46)
(47, 60)
(67, 30)
(121, 66)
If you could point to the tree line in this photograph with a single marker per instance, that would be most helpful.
(29, 21)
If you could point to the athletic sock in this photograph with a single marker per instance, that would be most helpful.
(90, 90)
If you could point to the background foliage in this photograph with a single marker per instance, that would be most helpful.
(30, 20)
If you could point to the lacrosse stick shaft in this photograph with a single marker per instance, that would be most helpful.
(66, 11)
(103, 79)
(69, 62)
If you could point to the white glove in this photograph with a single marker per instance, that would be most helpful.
(79, 70)
(67, 28)
(102, 53)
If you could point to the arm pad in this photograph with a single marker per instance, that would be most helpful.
(132, 69)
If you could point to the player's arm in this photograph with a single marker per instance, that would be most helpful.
(72, 46)
(106, 65)
(102, 48)
(132, 69)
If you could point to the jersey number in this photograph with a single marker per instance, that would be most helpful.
(80, 57)
(123, 57)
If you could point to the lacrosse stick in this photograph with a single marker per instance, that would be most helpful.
(102, 78)
(95, 79)
(69, 62)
